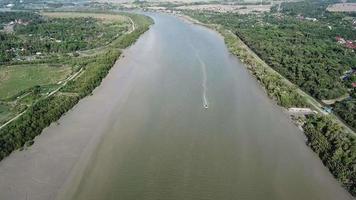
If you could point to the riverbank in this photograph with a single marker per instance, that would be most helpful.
(260, 70)
(147, 135)
(41, 114)
(163, 144)
(338, 156)
(51, 159)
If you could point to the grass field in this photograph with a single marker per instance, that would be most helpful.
(17, 80)
(14, 79)
(101, 16)
(342, 7)
(4, 112)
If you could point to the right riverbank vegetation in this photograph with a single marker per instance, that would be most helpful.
(302, 44)
(52, 60)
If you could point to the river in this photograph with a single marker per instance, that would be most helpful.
(177, 118)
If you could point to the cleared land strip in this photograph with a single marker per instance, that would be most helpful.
(132, 26)
(65, 82)
(12, 119)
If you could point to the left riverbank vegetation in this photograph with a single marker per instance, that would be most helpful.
(303, 44)
(49, 61)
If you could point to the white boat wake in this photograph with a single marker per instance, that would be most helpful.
(204, 81)
(203, 66)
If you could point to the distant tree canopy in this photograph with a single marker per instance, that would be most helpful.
(335, 148)
(346, 109)
(305, 52)
(35, 33)
(301, 48)
(6, 17)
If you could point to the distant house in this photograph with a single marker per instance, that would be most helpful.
(350, 44)
(21, 22)
(353, 84)
(311, 19)
(347, 43)
(300, 17)
(340, 40)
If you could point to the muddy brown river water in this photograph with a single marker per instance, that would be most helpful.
(177, 118)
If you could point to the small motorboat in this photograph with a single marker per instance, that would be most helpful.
(206, 106)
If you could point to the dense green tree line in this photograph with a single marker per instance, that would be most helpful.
(6, 44)
(346, 109)
(47, 110)
(313, 64)
(53, 35)
(95, 70)
(276, 87)
(30, 124)
(306, 53)
(302, 50)
(335, 147)
(6, 17)
(341, 26)
(296, 49)
(97, 67)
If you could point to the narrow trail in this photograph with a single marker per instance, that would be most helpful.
(12, 119)
(133, 28)
(50, 94)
